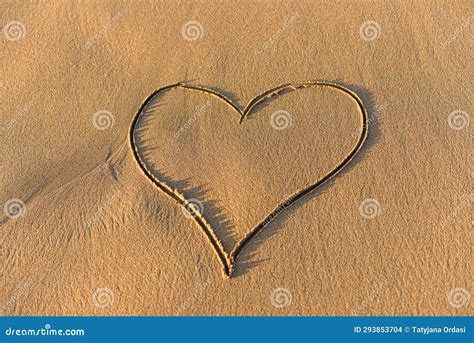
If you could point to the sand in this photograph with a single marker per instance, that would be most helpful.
(84, 231)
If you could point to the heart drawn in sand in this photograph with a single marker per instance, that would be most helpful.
(227, 259)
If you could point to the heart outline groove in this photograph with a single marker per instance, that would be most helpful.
(228, 260)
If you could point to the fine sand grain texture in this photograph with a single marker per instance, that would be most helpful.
(95, 163)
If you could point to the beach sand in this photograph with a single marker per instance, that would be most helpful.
(85, 232)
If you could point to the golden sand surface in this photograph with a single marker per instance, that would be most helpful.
(120, 200)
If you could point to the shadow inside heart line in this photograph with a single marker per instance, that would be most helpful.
(164, 182)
